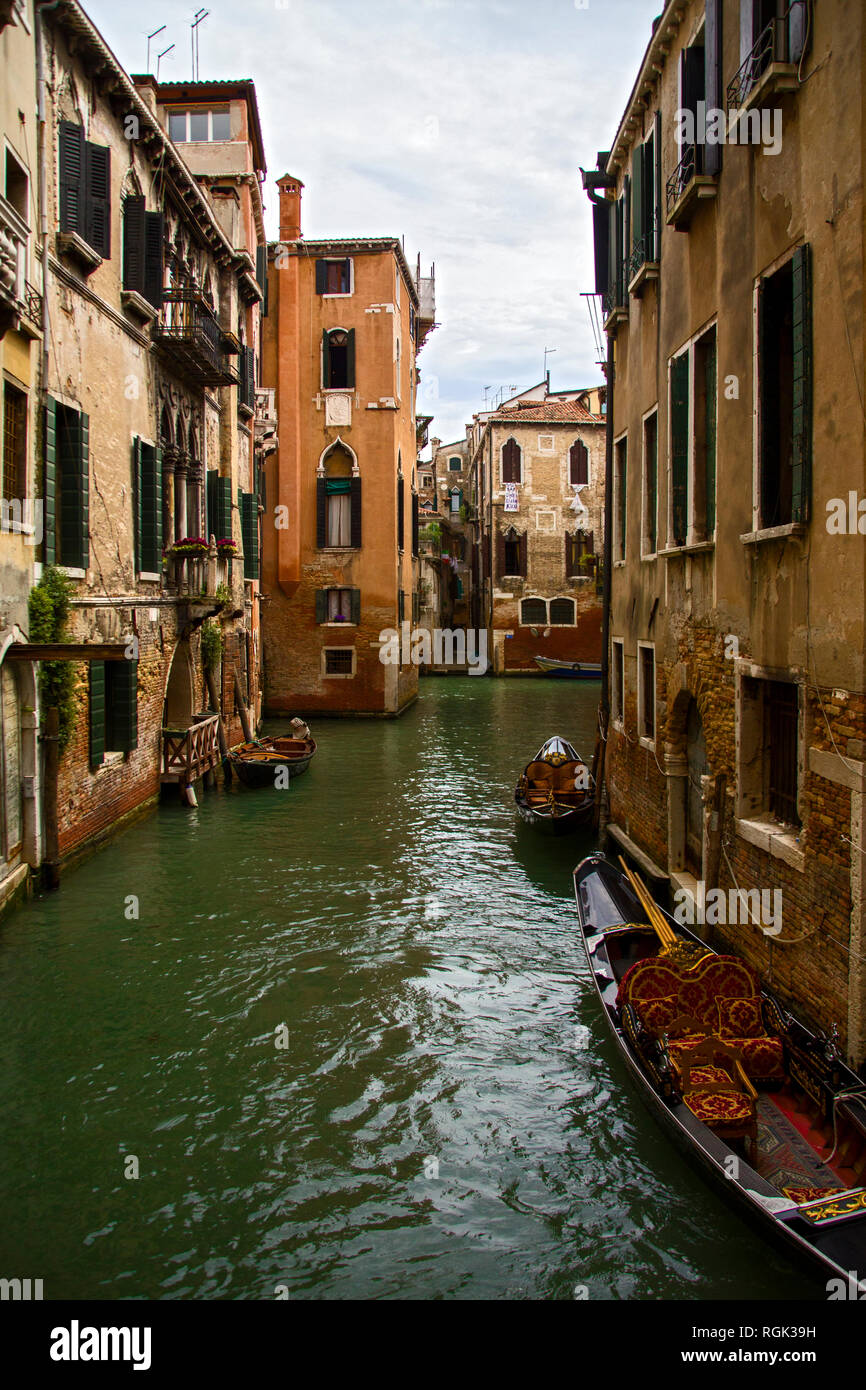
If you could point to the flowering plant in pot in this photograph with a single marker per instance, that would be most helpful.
(190, 545)
(227, 547)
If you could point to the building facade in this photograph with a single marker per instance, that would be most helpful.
(345, 322)
(731, 275)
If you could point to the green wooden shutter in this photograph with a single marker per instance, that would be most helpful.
(72, 177)
(637, 182)
(321, 514)
(657, 185)
(680, 447)
(521, 553)
(84, 474)
(98, 205)
(73, 457)
(137, 488)
(150, 511)
(710, 440)
(326, 357)
(154, 231)
(622, 454)
(350, 358)
(122, 706)
(400, 528)
(219, 505)
(133, 244)
(262, 275)
(414, 523)
(250, 533)
(355, 605)
(97, 713)
(321, 605)
(569, 551)
(713, 86)
(801, 480)
(157, 510)
(49, 483)
(321, 277)
(355, 492)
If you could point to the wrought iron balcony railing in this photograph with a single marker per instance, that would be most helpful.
(781, 39)
(644, 253)
(682, 176)
(190, 338)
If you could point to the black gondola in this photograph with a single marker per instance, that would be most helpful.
(555, 793)
(792, 1154)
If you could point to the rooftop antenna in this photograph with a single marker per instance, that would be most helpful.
(547, 352)
(200, 15)
(486, 391)
(160, 56)
(149, 37)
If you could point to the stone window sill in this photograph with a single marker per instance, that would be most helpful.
(73, 245)
(648, 743)
(776, 840)
(693, 548)
(774, 533)
(135, 304)
(73, 572)
(150, 578)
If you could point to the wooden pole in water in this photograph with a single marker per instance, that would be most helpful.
(242, 709)
(50, 737)
(221, 732)
(714, 831)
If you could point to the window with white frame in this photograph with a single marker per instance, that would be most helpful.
(620, 470)
(692, 469)
(650, 490)
(199, 124)
(646, 691)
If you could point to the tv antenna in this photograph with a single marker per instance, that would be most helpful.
(547, 352)
(149, 37)
(160, 56)
(200, 16)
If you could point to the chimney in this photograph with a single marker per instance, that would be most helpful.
(290, 208)
(145, 85)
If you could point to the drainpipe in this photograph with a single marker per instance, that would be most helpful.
(41, 105)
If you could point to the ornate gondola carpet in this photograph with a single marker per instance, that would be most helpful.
(784, 1157)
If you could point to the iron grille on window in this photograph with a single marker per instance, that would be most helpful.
(781, 738)
(338, 661)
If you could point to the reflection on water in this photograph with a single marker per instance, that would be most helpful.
(447, 1117)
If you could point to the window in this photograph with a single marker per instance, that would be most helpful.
(650, 484)
(456, 499)
(426, 480)
(338, 359)
(646, 201)
(784, 393)
(620, 467)
(401, 525)
(512, 462)
(338, 605)
(250, 533)
(512, 553)
(14, 481)
(768, 742)
(692, 386)
(339, 661)
(579, 544)
(66, 486)
(199, 125)
(16, 185)
(338, 503)
(646, 691)
(142, 250)
(147, 491)
(333, 277)
(113, 708)
(679, 417)
(562, 612)
(85, 188)
(617, 686)
(578, 463)
(533, 612)
(455, 464)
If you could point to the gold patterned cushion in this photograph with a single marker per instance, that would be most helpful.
(665, 1015)
(725, 1107)
(740, 1018)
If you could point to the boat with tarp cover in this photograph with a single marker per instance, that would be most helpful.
(555, 792)
(763, 1105)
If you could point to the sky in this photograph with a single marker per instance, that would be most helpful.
(457, 125)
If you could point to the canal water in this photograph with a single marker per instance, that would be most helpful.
(444, 1116)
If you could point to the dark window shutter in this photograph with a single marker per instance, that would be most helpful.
(801, 481)
(49, 483)
(355, 605)
(74, 459)
(72, 177)
(679, 447)
(133, 244)
(511, 461)
(209, 502)
(569, 554)
(97, 713)
(149, 511)
(321, 277)
(601, 244)
(500, 554)
(137, 489)
(579, 463)
(589, 544)
(356, 512)
(614, 213)
(637, 171)
(626, 234)
(84, 466)
(250, 533)
(692, 88)
(326, 356)
(710, 439)
(657, 185)
(713, 76)
(224, 509)
(747, 31)
(121, 706)
(400, 527)
(796, 30)
(98, 214)
(321, 605)
(321, 514)
(350, 358)
(521, 553)
(414, 523)
(153, 267)
(157, 510)
(262, 275)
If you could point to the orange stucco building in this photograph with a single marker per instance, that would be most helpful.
(345, 322)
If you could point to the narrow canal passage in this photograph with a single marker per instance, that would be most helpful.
(448, 1118)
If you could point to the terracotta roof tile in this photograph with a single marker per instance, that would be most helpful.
(548, 412)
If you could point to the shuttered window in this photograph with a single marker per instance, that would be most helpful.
(647, 692)
(511, 462)
(785, 392)
(49, 484)
(801, 488)
(262, 276)
(620, 459)
(85, 188)
(713, 86)
(219, 506)
(67, 486)
(147, 476)
(414, 523)
(338, 359)
(679, 389)
(247, 375)
(250, 533)
(512, 553)
(356, 512)
(113, 708)
(650, 499)
(333, 277)
(338, 606)
(578, 463)
(97, 712)
(400, 524)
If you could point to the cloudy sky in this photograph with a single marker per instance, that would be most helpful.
(456, 124)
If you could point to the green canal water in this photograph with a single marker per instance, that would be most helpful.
(448, 1118)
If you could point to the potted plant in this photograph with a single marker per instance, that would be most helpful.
(227, 547)
(190, 545)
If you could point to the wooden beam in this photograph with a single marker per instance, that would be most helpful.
(66, 651)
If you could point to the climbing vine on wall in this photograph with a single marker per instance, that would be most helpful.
(48, 608)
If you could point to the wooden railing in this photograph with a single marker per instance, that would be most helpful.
(188, 753)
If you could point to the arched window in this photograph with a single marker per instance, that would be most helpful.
(533, 612)
(512, 553)
(338, 359)
(562, 612)
(578, 463)
(512, 462)
(455, 464)
(339, 501)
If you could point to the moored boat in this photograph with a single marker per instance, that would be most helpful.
(555, 793)
(764, 1107)
(258, 763)
(570, 670)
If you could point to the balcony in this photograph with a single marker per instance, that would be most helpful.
(643, 264)
(190, 340)
(687, 187)
(20, 304)
(771, 67)
(613, 310)
(188, 754)
(201, 580)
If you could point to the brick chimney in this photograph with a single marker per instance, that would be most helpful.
(290, 208)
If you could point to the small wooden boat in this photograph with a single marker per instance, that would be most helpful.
(570, 670)
(555, 793)
(774, 1118)
(258, 763)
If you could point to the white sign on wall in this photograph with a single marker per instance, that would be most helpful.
(511, 503)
